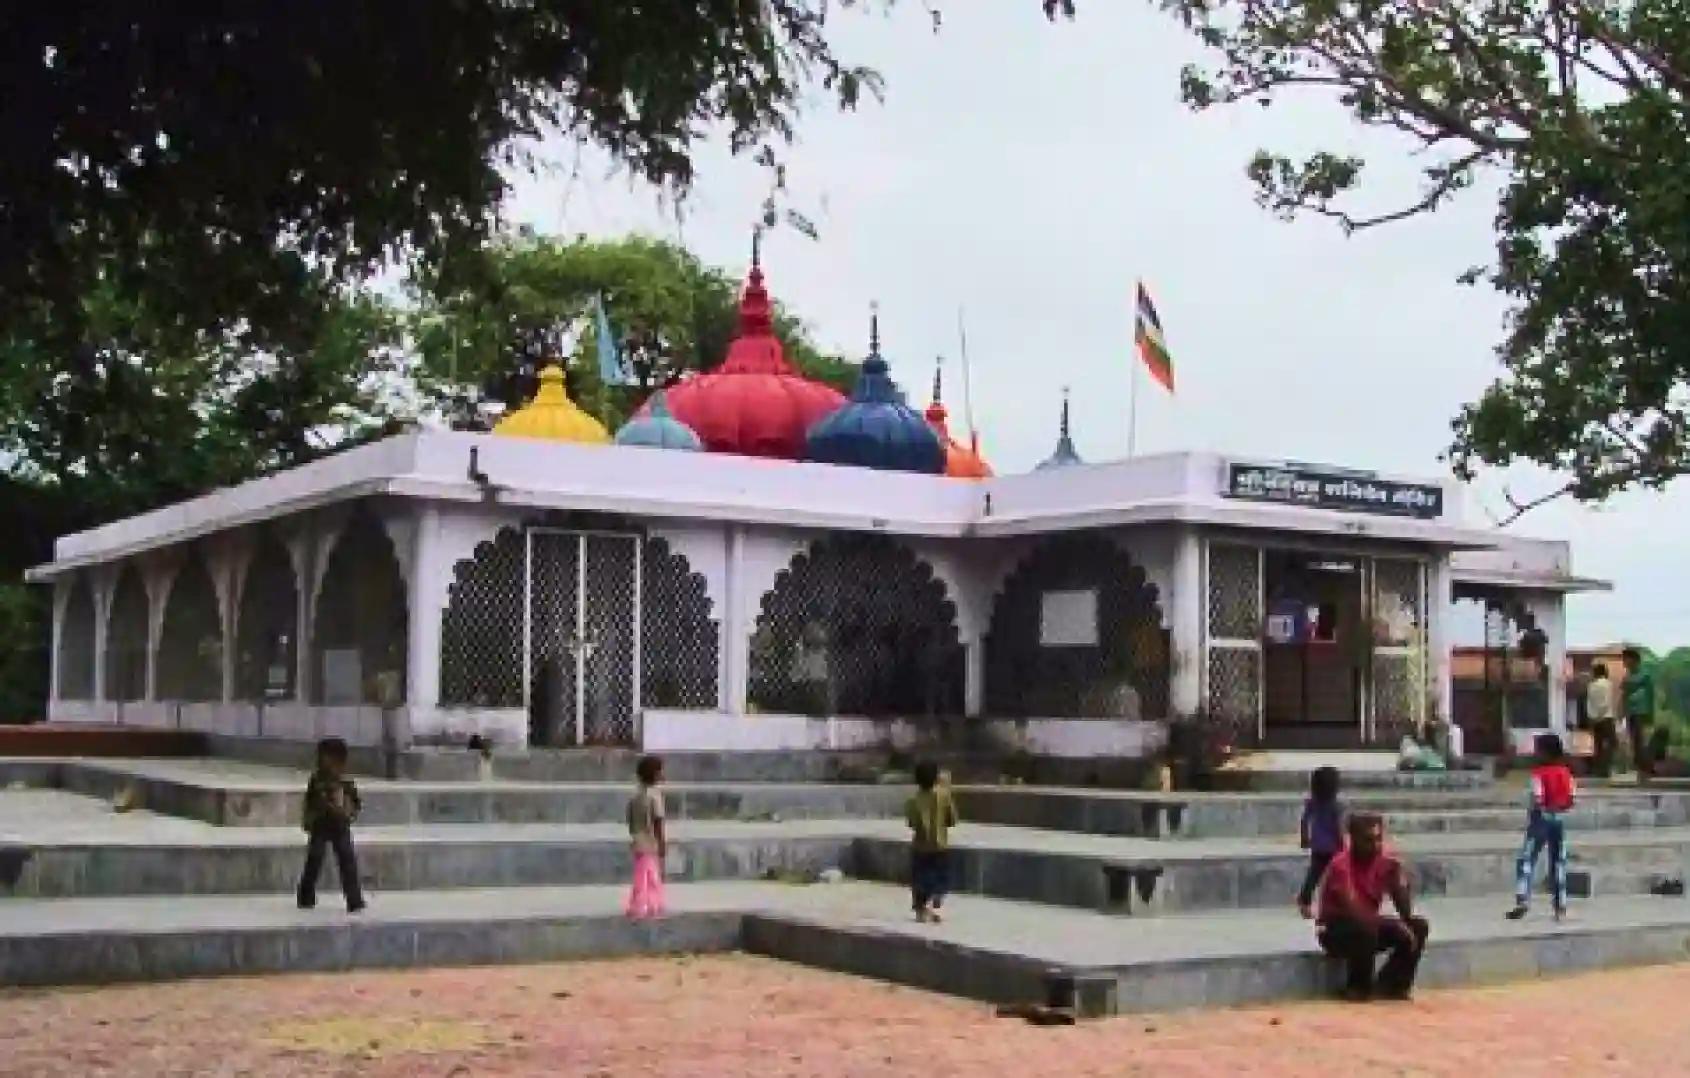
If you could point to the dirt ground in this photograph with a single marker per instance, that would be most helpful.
(739, 1015)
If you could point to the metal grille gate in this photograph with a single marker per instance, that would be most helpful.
(581, 637)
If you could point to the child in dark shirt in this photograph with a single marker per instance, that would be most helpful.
(331, 804)
(1322, 832)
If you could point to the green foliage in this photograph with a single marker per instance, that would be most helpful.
(1582, 109)
(496, 313)
(198, 157)
(25, 629)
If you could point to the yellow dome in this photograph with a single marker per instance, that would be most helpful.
(552, 415)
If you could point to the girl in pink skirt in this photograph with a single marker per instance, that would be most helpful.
(645, 832)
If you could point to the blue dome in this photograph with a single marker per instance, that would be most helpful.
(1065, 455)
(657, 429)
(876, 429)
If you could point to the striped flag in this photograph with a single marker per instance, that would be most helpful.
(610, 359)
(1151, 347)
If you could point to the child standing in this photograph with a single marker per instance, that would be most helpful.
(931, 813)
(331, 804)
(1321, 831)
(649, 840)
(1553, 794)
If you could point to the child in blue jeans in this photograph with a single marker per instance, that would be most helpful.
(1322, 832)
(1553, 794)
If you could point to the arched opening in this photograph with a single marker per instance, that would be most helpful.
(76, 643)
(481, 629)
(267, 627)
(126, 638)
(359, 641)
(679, 640)
(190, 649)
(857, 625)
(1077, 631)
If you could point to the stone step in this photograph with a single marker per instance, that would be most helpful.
(988, 949)
(1209, 816)
(393, 862)
(271, 797)
(1138, 878)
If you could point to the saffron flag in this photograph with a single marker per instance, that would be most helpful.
(1151, 347)
(610, 359)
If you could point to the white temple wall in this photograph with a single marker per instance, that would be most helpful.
(709, 731)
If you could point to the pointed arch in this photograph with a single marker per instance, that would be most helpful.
(127, 631)
(267, 626)
(857, 625)
(481, 627)
(1123, 672)
(360, 629)
(190, 647)
(680, 643)
(75, 660)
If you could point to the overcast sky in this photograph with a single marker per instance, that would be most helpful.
(1030, 173)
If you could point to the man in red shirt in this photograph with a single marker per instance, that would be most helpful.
(1350, 925)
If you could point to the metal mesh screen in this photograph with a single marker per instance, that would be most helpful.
(190, 648)
(607, 659)
(554, 571)
(359, 641)
(126, 639)
(1123, 675)
(267, 627)
(481, 629)
(1235, 592)
(76, 643)
(1399, 655)
(1235, 694)
(856, 625)
(680, 643)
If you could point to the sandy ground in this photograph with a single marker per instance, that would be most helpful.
(739, 1015)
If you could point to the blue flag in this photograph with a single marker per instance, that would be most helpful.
(610, 360)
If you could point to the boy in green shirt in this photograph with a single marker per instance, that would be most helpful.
(331, 804)
(1637, 693)
(931, 813)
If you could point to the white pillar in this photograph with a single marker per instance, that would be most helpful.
(735, 639)
(1549, 610)
(427, 598)
(102, 581)
(302, 546)
(1187, 607)
(1440, 609)
(974, 674)
(62, 587)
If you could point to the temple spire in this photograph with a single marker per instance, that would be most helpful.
(938, 380)
(874, 328)
(1065, 454)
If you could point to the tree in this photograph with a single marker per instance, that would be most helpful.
(511, 305)
(1582, 110)
(200, 156)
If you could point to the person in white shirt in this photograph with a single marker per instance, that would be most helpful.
(1599, 707)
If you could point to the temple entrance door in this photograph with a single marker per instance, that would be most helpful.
(581, 637)
(1315, 650)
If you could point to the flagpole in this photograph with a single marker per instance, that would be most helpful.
(1132, 394)
(967, 379)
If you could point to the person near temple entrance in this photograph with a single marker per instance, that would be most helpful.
(1553, 794)
(331, 805)
(649, 839)
(1322, 830)
(1350, 925)
(1637, 693)
(1600, 708)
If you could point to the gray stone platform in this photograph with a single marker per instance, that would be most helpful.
(988, 949)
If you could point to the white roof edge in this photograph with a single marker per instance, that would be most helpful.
(1566, 583)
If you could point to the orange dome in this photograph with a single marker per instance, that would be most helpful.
(961, 461)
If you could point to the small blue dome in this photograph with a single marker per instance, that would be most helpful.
(1065, 455)
(657, 429)
(876, 429)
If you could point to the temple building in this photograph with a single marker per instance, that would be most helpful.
(755, 562)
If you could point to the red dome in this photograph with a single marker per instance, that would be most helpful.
(755, 403)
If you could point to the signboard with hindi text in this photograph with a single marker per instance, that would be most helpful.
(1344, 491)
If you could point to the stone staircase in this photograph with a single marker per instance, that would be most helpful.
(1114, 900)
